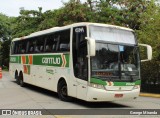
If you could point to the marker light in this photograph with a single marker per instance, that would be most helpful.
(96, 86)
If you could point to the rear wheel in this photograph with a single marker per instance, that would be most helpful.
(21, 80)
(17, 79)
(63, 92)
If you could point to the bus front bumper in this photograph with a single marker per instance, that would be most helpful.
(96, 95)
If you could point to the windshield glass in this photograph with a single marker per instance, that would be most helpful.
(112, 34)
(115, 62)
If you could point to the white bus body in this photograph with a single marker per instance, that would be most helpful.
(88, 61)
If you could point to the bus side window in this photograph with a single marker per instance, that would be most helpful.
(36, 50)
(57, 45)
(31, 49)
(39, 44)
(48, 48)
(54, 47)
(64, 47)
(31, 46)
(27, 47)
(16, 48)
(41, 48)
(62, 41)
(49, 43)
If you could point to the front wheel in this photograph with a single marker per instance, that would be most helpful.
(63, 92)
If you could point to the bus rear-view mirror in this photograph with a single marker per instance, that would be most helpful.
(92, 46)
(146, 52)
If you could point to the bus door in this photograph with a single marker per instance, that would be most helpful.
(80, 61)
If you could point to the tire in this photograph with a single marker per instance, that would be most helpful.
(21, 80)
(17, 79)
(62, 91)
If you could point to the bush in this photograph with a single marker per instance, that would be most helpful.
(150, 75)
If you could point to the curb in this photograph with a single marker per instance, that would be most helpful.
(150, 95)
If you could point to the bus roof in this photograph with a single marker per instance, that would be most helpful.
(54, 29)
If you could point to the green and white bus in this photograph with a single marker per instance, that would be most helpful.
(88, 61)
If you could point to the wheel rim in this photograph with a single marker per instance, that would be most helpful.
(64, 91)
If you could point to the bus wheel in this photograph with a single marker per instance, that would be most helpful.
(62, 91)
(21, 80)
(17, 79)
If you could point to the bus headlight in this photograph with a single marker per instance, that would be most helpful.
(96, 86)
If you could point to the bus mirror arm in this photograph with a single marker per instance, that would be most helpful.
(91, 46)
(149, 52)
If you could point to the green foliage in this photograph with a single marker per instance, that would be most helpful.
(72, 12)
(27, 22)
(5, 52)
(150, 72)
(48, 20)
(5, 35)
(150, 28)
(5, 29)
(150, 76)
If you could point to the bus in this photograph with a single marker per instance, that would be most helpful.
(89, 61)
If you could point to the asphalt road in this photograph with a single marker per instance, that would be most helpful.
(13, 96)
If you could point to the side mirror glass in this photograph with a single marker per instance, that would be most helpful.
(92, 46)
(149, 52)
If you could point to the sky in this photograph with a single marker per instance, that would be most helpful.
(12, 7)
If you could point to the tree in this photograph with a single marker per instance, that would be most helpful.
(120, 12)
(27, 22)
(5, 30)
(5, 36)
(72, 12)
(150, 28)
(48, 21)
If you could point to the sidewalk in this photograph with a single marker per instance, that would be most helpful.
(150, 95)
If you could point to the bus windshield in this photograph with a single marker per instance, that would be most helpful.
(117, 61)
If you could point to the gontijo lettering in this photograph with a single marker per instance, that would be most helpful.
(52, 60)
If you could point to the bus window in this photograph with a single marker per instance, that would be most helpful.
(50, 42)
(62, 40)
(21, 47)
(64, 47)
(31, 44)
(39, 44)
(15, 48)
(57, 43)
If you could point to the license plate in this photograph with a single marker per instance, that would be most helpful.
(118, 95)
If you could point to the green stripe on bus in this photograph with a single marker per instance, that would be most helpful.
(19, 59)
(14, 59)
(127, 83)
(101, 82)
(67, 60)
(46, 60)
(98, 81)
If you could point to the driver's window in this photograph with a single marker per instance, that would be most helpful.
(80, 61)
